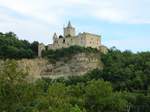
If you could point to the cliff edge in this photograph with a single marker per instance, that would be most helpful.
(78, 64)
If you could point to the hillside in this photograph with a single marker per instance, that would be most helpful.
(123, 85)
(55, 63)
(118, 81)
(72, 61)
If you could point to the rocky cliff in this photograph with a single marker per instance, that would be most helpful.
(78, 64)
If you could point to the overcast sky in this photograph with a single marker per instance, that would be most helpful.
(122, 23)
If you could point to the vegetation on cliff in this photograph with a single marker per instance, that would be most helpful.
(13, 48)
(125, 70)
(67, 53)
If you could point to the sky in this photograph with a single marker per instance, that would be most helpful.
(121, 23)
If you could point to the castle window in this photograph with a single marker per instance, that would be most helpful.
(63, 40)
(60, 36)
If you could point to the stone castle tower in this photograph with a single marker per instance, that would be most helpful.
(71, 39)
(41, 47)
(69, 31)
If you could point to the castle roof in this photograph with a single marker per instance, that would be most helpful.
(55, 35)
(69, 25)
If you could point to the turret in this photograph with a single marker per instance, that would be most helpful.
(41, 47)
(69, 25)
(69, 31)
(55, 36)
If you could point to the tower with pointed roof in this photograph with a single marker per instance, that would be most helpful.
(69, 31)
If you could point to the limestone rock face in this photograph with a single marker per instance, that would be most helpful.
(33, 66)
(78, 64)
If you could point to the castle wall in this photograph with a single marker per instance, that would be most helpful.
(90, 40)
(64, 43)
(83, 39)
(69, 32)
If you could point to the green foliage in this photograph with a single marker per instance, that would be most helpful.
(13, 48)
(76, 109)
(11, 81)
(127, 70)
(100, 96)
(17, 95)
(122, 86)
(66, 53)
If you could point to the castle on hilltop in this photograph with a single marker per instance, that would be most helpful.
(71, 39)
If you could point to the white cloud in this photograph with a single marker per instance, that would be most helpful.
(31, 8)
(122, 11)
(52, 11)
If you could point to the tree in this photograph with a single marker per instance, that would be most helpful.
(76, 109)
(99, 96)
(13, 48)
(34, 47)
(10, 80)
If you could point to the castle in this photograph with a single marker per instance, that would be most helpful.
(71, 39)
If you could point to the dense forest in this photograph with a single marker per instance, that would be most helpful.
(122, 86)
(13, 48)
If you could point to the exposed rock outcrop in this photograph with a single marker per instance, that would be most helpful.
(79, 64)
